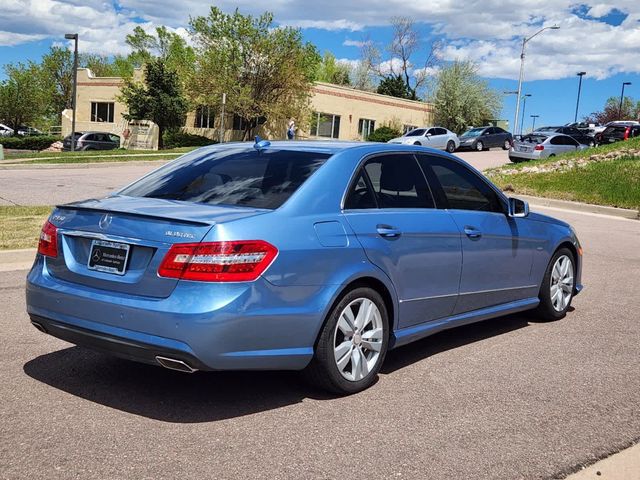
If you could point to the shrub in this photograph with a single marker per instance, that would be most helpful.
(178, 138)
(383, 134)
(39, 142)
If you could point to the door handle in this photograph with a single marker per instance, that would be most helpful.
(387, 231)
(472, 232)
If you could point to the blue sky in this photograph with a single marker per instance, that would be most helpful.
(599, 37)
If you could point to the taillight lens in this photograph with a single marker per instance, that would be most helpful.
(539, 147)
(626, 133)
(237, 261)
(48, 244)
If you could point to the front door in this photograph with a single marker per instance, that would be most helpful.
(391, 210)
(497, 249)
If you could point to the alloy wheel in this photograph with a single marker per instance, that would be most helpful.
(479, 146)
(561, 283)
(357, 340)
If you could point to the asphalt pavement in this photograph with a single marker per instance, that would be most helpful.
(509, 398)
(35, 185)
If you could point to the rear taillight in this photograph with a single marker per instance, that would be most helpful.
(237, 261)
(539, 147)
(626, 133)
(48, 244)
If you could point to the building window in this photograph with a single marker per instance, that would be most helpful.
(239, 123)
(204, 117)
(102, 112)
(366, 127)
(325, 125)
(408, 128)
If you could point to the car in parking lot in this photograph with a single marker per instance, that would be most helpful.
(92, 141)
(537, 145)
(481, 138)
(618, 132)
(5, 130)
(573, 132)
(434, 137)
(314, 256)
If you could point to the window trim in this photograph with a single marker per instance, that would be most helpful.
(442, 196)
(111, 106)
(360, 168)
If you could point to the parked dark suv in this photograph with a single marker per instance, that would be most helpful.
(573, 132)
(485, 137)
(92, 141)
(617, 133)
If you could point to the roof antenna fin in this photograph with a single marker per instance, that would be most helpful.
(261, 144)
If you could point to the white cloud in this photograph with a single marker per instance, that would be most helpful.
(356, 43)
(486, 31)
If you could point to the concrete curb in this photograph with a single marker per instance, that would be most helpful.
(624, 465)
(581, 207)
(11, 260)
(47, 166)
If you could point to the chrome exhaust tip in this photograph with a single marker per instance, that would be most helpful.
(174, 364)
(39, 326)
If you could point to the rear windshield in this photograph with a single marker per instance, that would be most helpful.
(547, 129)
(416, 133)
(617, 129)
(263, 179)
(533, 139)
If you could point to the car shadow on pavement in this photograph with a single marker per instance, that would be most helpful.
(451, 339)
(169, 396)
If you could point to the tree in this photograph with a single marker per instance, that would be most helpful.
(267, 72)
(395, 87)
(57, 68)
(23, 95)
(611, 111)
(159, 99)
(332, 71)
(384, 134)
(461, 98)
(400, 62)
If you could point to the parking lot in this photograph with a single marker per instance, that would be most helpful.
(76, 182)
(508, 398)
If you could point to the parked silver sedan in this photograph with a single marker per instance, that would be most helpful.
(434, 137)
(538, 145)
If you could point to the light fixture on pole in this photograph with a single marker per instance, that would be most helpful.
(621, 98)
(580, 74)
(524, 44)
(524, 106)
(533, 122)
(74, 37)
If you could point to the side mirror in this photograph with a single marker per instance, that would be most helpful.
(518, 208)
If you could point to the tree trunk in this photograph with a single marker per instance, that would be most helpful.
(160, 139)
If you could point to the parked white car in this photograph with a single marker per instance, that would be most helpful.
(434, 137)
(5, 131)
(538, 145)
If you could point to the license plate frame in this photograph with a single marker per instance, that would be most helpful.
(109, 257)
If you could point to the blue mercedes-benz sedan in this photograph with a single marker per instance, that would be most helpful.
(314, 256)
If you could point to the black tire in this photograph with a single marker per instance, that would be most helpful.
(323, 372)
(545, 310)
(451, 146)
(417, 143)
(506, 145)
(479, 146)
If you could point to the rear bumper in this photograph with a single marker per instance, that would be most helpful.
(520, 156)
(240, 326)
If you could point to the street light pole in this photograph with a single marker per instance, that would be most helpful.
(74, 37)
(580, 74)
(524, 44)
(621, 98)
(524, 106)
(224, 102)
(533, 123)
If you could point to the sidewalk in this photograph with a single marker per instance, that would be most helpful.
(624, 465)
(16, 259)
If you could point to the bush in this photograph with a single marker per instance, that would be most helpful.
(178, 138)
(39, 142)
(383, 134)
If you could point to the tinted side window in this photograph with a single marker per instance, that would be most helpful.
(398, 182)
(557, 141)
(263, 179)
(461, 188)
(360, 195)
(440, 131)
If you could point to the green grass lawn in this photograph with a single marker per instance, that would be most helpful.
(20, 226)
(118, 155)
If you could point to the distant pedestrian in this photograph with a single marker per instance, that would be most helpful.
(291, 130)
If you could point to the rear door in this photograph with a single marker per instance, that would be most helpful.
(439, 138)
(497, 249)
(391, 210)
